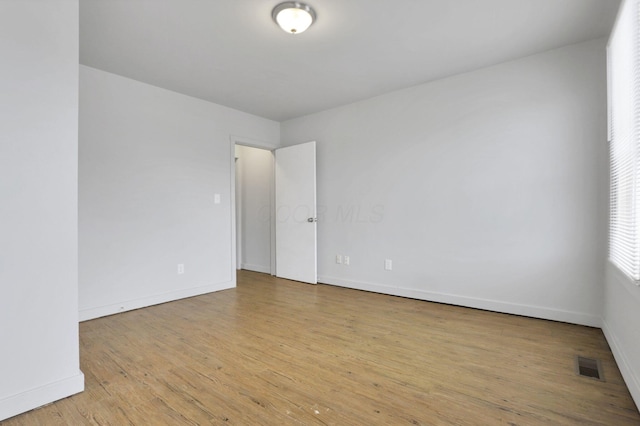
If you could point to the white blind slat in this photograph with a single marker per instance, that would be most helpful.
(623, 115)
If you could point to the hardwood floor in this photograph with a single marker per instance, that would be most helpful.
(276, 352)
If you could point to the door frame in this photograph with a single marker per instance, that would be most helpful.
(253, 143)
(236, 215)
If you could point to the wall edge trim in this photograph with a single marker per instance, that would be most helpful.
(630, 378)
(14, 405)
(256, 268)
(86, 314)
(471, 302)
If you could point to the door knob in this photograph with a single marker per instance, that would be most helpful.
(312, 219)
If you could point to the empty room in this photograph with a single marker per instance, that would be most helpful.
(361, 212)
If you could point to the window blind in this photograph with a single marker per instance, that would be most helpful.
(623, 76)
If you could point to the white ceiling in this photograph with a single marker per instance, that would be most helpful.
(230, 51)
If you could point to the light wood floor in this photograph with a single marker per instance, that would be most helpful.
(275, 352)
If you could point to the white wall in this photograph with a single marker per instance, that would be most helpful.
(255, 178)
(150, 163)
(486, 189)
(38, 204)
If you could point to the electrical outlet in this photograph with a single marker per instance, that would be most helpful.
(388, 264)
(338, 258)
(346, 260)
(180, 268)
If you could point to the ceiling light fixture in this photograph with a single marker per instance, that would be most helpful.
(293, 17)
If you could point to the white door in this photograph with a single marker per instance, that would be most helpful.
(296, 213)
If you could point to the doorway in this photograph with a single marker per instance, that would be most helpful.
(258, 222)
(254, 195)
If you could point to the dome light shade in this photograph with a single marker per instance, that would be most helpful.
(293, 17)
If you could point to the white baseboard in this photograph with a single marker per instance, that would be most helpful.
(630, 377)
(34, 398)
(86, 314)
(256, 268)
(470, 302)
